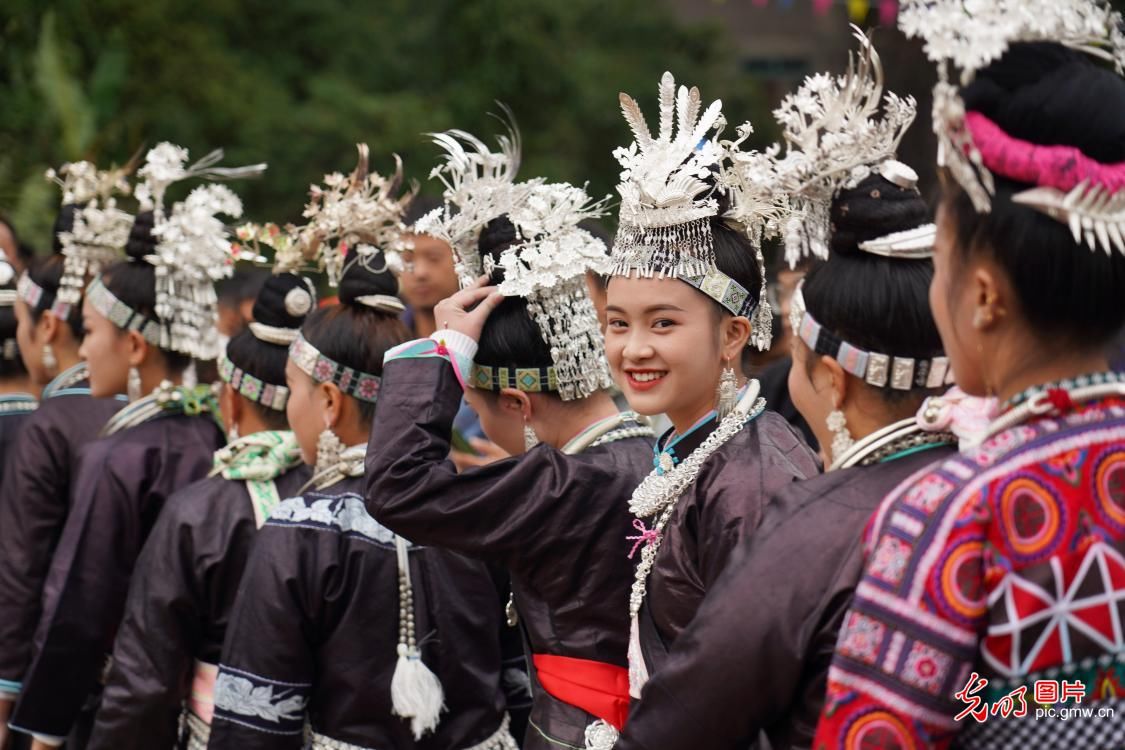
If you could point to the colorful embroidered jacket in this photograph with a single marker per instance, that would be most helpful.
(179, 604)
(556, 521)
(756, 656)
(992, 580)
(34, 501)
(313, 635)
(120, 486)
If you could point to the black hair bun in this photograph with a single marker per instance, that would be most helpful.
(1051, 95)
(284, 301)
(141, 240)
(874, 208)
(369, 276)
(64, 222)
(496, 237)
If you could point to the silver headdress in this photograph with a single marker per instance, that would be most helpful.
(972, 35)
(100, 229)
(364, 210)
(835, 139)
(193, 248)
(547, 266)
(666, 188)
(480, 185)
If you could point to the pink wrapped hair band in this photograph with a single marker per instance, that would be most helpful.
(1060, 167)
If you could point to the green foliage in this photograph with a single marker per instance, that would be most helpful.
(296, 82)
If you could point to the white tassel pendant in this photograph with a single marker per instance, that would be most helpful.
(416, 692)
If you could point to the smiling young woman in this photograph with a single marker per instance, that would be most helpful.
(684, 299)
(527, 353)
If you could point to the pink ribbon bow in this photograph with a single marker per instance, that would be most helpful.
(646, 537)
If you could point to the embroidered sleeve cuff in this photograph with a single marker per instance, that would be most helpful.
(457, 342)
(10, 690)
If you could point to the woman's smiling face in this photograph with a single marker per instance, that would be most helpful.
(663, 345)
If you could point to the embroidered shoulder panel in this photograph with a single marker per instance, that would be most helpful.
(261, 703)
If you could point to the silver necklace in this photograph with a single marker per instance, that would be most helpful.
(658, 493)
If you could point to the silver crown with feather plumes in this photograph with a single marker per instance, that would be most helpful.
(971, 35)
(839, 130)
(100, 230)
(193, 248)
(480, 185)
(667, 186)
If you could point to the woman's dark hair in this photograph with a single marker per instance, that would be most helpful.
(875, 303)
(9, 368)
(735, 256)
(47, 274)
(355, 334)
(1050, 95)
(133, 281)
(510, 337)
(64, 222)
(263, 359)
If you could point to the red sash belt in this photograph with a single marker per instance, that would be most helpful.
(596, 687)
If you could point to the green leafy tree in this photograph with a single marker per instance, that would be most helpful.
(296, 83)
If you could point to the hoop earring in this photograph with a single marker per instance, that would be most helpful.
(726, 394)
(841, 438)
(133, 386)
(50, 364)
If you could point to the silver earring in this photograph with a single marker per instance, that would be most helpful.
(726, 395)
(841, 438)
(232, 433)
(50, 364)
(530, 439)
(134, 387)
(328, 450)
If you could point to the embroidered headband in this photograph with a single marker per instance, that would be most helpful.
(32, 294)
(724, 290)
(526, 379)
(360, 385)
(257, 390)
(879, 370)
(121, 315)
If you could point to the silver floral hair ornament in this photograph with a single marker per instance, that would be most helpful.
(839, 131)
(97, 238)
(363, 210)
(480, 185)
(193, 248)
(972, 35)
(547, 266)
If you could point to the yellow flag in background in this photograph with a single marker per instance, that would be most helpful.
(858, 10)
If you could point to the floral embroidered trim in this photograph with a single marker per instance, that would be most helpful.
(360, 385)
(346, 513)
(261, 703)
(257, 390)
